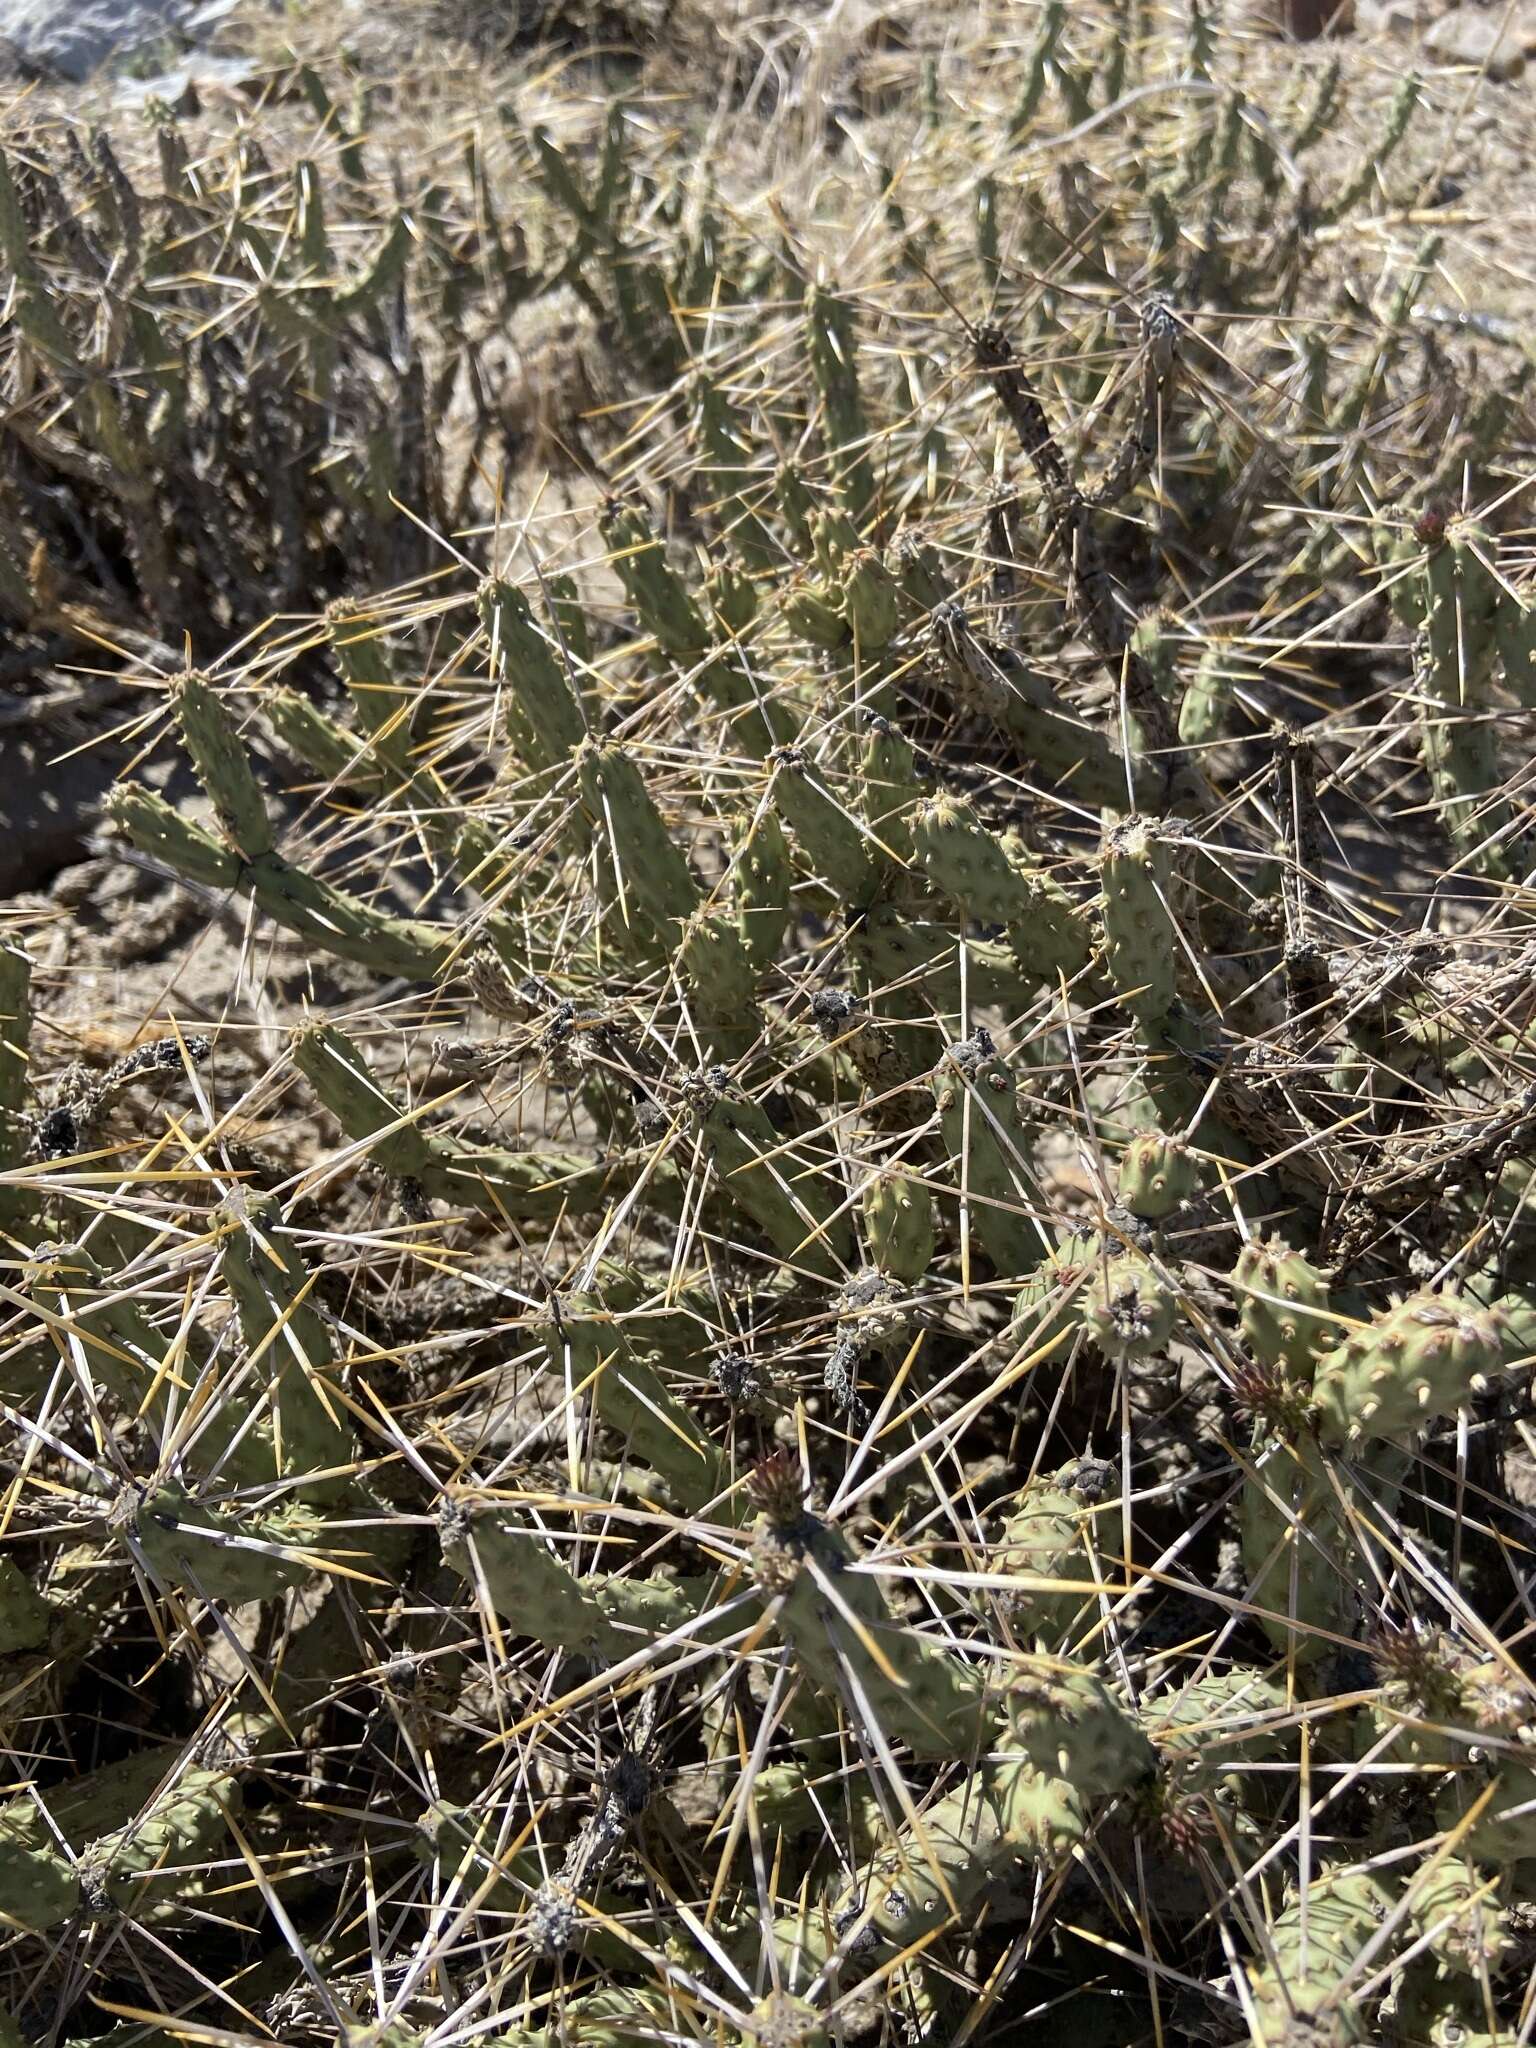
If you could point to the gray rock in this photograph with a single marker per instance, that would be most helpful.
(73, 38)
(1496, 41)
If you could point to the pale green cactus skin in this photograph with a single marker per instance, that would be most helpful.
(1441, 2008)
(119, 1345)
(1068, 1725)
(1156, 1175)
(1283, 1308)
(323, 743)
(890, 789)
(1312, 1952)
(832, 349)
(543, 713)
(1417, 1362)
(24, 1617)
(1465, 619)
(1008, 1816)
(222, 766)
(119, 1824)
(1047, 1535)
(763, 878)
(587, 1349)
(967, 863)
(652, 869)
(1141, 942)
(988, 1139)
(527, 1186)
(1206, 706)
(304, 903)
(932, 1702)
(1298, 1519)
(289, 1344)
(825, 830)
(898, 1223)
(222, 1555)
(509, 1564)
(797, 1212)
(1456, 1907)
(1049, 1304)
(1215, 1726)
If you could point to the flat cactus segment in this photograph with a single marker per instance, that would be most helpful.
(1418, 1361)
(1284, 1308)
(289, 1343)
(898, 1221)
(1313, 1947)
(803, 1217)
(1048, 1534)
(968, 863)
(158, 829)
(987, 1135)
(223, 1556)
(1068, 1725)
(24, 1615)
(1141, 942)
(543, 712)
(587, 1349)
(837, 1621)
(651, 867)
(222, 765)
(763, 877)
(506, 1561)
(832, 846)
(508, 1185)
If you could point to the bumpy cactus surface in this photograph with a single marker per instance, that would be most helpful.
(767, 1269)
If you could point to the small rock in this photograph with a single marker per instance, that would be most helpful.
(1484, 40)
(73, 38)
(1400, 18)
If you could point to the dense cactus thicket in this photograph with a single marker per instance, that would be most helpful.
(857, 1369)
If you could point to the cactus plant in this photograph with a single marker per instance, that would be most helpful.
(825, 1337)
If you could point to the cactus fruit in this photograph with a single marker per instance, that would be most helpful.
(1419, 1360)
(1128, 1309)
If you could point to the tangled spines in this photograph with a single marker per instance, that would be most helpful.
(819, 1331)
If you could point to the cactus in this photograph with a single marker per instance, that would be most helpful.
(987, 1137)
(1048, 1534)
(898, 1220)
(836, 1619)
(1141, 940)
(1283, 1308)
(1156, 1175)
(927, 893)
(1128, 1309)
(1419, 1360)
(1313, 1945)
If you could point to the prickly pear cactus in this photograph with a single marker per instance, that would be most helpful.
(766, 1235)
